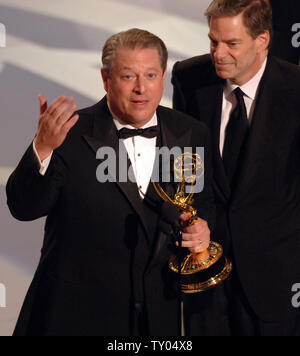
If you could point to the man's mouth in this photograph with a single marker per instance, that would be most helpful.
(221, 64)
(139, 102)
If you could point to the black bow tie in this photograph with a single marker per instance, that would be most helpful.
(150, 132)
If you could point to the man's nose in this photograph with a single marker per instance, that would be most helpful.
(220, 51)
(140, 85)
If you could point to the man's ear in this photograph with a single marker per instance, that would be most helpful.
(105, 78)
(263, 41)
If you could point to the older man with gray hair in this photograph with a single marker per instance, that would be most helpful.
(103, 268)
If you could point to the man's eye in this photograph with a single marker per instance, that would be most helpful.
(127, 77)
(151, 75)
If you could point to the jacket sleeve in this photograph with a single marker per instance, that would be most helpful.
(30, 195)
(179, 101)
(204, 201)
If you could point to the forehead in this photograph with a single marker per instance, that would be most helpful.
(228, 27)
(136, 58)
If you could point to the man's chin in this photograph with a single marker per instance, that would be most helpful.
(138, 119)
(223, 74)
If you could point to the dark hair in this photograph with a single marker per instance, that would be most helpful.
(133, 39)
(257, 14)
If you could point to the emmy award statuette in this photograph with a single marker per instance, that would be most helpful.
(198, 271)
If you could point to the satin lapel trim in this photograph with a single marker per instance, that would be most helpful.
(171, 137)
(105, 135)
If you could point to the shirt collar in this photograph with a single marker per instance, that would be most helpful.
(249, 88)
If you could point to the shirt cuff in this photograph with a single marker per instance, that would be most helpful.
(43, 166)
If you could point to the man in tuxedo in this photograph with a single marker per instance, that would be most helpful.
(250, 101)
(103, 267)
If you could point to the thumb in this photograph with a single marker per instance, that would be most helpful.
(185, 216)
(43, 103)
(187, 219)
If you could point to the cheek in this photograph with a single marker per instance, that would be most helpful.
(245, 63)
(249, 55)
(117, 98)
(157, 90)
(239, 59)
(117, 93)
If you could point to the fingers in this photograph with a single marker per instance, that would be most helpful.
(43, 103)
(196, 226)
(59, 107)
(195, 237)
(190, 240)
(55, 122)
(194, 245)
(66, 115)
(59, 111)
(70, 123)
(55, 104)
(191, 237)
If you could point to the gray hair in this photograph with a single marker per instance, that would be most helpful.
(133, 39)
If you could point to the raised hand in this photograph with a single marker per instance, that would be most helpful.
(54, 124)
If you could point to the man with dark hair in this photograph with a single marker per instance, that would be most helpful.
(104, 263)
(250, 101)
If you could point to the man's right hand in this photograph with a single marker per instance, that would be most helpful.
(55, 122)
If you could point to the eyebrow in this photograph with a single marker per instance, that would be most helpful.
(126, 68)
(151, 68)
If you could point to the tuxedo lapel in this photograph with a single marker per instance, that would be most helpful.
(172, 135)
(104, 134)
(210, 113)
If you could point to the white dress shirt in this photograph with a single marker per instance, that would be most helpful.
(250, 89)
(141, 152)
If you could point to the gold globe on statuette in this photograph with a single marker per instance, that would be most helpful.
(198, 271)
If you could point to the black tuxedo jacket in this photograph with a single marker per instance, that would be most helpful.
(97, 252)
(259, 220)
